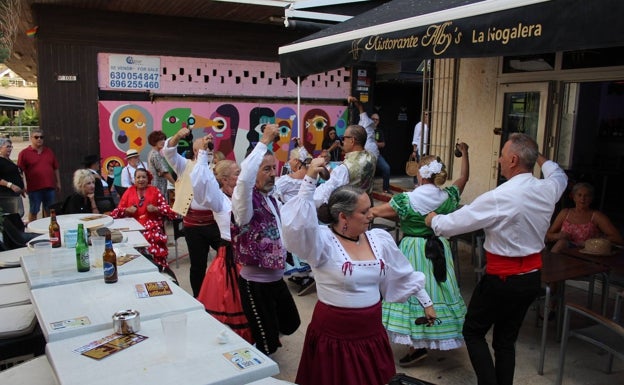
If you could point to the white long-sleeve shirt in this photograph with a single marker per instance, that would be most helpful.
(421, 138)
(514, 216)
(340, 280)
(206, 192)
(369, 126)
(242, 208)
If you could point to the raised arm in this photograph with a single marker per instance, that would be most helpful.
(465, 168)
(384, 211)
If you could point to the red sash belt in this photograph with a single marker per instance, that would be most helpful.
(198, 218)
(506, 266)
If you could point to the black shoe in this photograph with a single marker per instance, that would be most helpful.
(413, 357)
(307, 286)
(296, 280)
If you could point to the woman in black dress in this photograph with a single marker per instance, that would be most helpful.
(11, 181)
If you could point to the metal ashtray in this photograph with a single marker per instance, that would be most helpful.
(126, 322)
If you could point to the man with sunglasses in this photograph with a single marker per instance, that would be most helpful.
(41, 168)
(358, 168)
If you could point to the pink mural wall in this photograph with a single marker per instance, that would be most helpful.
(201, 76)
(235, 126)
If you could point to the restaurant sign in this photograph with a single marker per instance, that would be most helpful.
(399, 30)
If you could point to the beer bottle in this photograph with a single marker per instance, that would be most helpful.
(110, 260)
(54, 229)
(82, 251)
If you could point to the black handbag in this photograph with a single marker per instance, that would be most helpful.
(404, 379)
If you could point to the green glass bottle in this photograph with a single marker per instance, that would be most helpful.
(82, 251)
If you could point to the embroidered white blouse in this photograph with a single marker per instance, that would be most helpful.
(341, 281)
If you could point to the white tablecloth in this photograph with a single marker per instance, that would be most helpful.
(68, 222)
(147, 362)
(63, 267)
(98, 301)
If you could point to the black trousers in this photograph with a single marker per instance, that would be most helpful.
(199, 240)
(501, 303)
(270, 310)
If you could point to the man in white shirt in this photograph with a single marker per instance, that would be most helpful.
(134, 162)
(420, 139)
(358, 168)
(369, 125)
(515, 217)
(257, 241)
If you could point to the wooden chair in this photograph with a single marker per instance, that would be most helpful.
(605, 333)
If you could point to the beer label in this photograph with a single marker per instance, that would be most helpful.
(55, 238)
(109, 269)
(84, 258)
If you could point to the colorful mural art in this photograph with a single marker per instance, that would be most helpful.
(236, 127)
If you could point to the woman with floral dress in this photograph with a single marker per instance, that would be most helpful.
(147, 205)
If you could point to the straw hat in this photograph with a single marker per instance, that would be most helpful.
(131, 153)
(597, 246)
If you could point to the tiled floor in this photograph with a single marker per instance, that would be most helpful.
(584, 365)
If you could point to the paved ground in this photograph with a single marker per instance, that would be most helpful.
(584, 365)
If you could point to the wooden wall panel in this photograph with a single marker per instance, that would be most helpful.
(69, 39)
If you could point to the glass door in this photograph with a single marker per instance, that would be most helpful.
(519, 108)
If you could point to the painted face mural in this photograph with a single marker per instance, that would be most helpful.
(177, 118)
(258, 116)
(315, 122)
(341, 122)
(286, 119)
(129, 124)
(224, 131)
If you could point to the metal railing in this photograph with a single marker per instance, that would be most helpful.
(17, 132)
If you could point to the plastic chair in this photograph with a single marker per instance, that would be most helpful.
(607, 334)
(13, 233)
(59, 207)
(106, 202)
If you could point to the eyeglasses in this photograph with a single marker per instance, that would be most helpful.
(346, 137)
(141, 200)
(38, 136)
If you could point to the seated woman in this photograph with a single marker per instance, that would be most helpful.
(83, 200)
(572, 227)
(333, 145)
(146, 204)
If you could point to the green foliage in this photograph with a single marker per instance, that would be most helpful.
(4, 54)
(4, 120)
(30, 116)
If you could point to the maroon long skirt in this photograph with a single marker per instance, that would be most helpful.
(345, 346)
